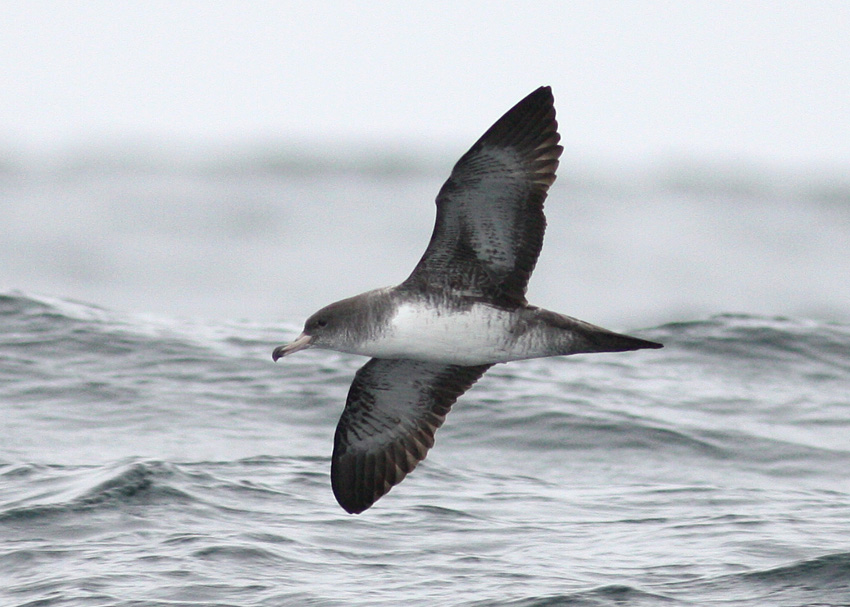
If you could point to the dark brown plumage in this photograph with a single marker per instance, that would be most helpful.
(388, 427)
(490, 222)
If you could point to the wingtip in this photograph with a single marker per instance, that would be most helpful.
(353, 508)
(540, 98)
(350, 499)
(531, 128)
(542, 91)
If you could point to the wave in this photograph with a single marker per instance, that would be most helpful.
(34, 321)
(55, 490)
(38, 320)
(615, 594)
(73, 490)
(820, 581)
(759, 338)
(765, 392)
(824, 580)
(139, 441)
(828, 571)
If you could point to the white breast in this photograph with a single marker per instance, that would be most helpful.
(482, 334)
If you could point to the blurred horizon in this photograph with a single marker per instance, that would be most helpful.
(271, 235)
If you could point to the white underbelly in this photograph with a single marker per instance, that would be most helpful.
(482, 334)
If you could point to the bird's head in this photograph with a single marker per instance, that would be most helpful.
(330, 327)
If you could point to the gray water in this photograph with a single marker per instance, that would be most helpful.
(152, 454)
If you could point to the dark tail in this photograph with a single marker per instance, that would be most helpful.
(603, 340)
(583, 337)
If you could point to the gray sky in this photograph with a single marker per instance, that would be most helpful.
(761, 81)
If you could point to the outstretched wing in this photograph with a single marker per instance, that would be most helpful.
(393, 410)
(490, 221)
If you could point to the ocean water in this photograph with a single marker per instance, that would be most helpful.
(153, 454)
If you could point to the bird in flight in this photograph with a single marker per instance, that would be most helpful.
(462, 310)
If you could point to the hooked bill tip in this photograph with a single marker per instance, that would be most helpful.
(302, 342)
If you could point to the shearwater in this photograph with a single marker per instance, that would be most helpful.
(462, 310)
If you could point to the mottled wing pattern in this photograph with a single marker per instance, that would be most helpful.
(393, 410)
(490, 222)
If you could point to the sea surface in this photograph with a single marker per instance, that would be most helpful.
(151, 453)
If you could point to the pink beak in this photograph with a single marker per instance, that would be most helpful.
(303, 341)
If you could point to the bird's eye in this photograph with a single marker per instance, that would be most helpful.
(321, 323)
